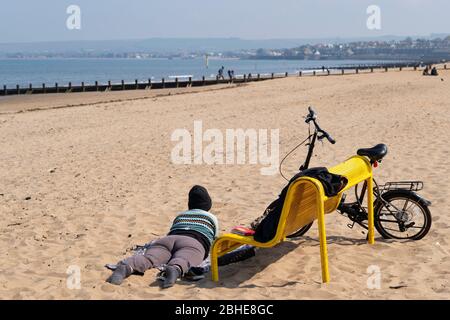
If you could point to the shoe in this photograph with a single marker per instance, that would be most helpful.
(122, 272)
(172, 274)
(240, 254)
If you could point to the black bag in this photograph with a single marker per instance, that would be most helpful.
(267, 228)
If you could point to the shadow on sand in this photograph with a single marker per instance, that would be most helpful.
(234, 275)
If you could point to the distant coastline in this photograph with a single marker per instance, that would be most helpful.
(422, 49)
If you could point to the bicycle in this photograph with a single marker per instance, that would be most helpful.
(397, 206)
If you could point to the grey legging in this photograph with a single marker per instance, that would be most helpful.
(179, 250)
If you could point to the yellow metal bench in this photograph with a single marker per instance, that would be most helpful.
(305, 202)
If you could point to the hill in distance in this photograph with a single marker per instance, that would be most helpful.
(175, 45)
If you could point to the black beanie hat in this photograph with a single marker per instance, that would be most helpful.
(199, 199)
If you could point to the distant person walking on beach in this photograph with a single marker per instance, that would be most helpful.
(231, 75)
(220, 73)
(186, 245)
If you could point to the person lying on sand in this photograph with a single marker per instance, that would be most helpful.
(186, 245)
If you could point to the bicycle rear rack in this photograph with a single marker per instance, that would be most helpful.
(403, 185)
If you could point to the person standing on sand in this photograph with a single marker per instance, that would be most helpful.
(187, 244)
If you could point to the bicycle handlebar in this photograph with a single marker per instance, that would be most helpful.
(329, 138)
(312, 116)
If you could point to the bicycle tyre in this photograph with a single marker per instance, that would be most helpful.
(402, 194)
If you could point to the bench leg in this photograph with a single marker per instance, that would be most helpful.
(214, 263)
(323, 242)
(371, 235)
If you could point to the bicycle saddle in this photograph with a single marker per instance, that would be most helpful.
(376, 153)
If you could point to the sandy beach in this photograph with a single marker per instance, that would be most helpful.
(81, 185)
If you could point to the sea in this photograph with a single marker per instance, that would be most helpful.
(24, 72)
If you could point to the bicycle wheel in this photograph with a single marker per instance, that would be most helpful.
(402, 215)
(300, 232)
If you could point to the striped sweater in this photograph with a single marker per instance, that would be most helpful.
(198, 221)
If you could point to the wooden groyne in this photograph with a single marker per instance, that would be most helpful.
(190, 82)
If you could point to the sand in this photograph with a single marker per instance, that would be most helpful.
(81, 186)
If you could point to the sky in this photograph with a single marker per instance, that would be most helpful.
(45, 20)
